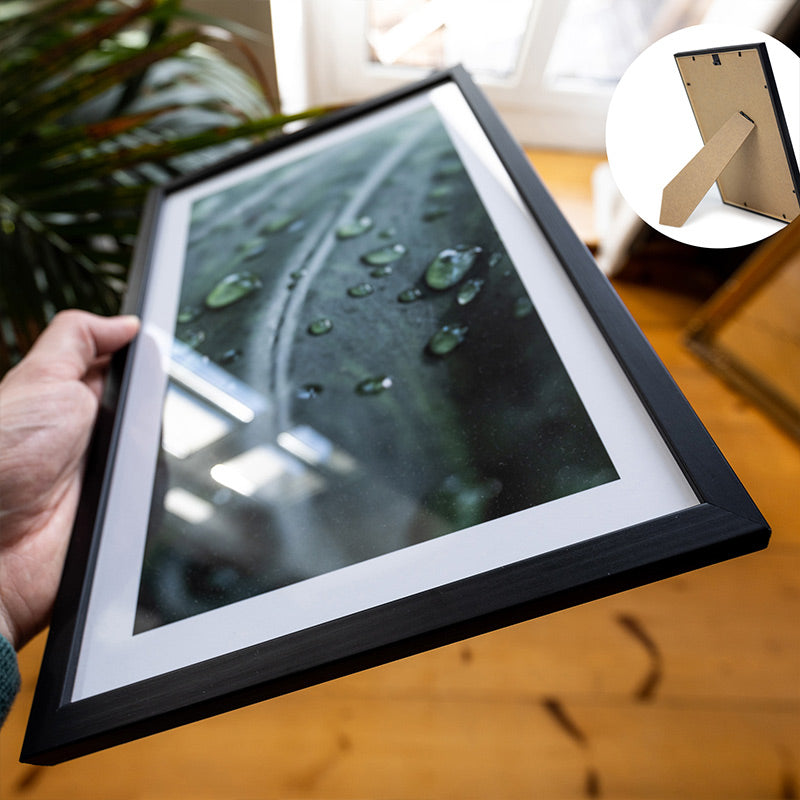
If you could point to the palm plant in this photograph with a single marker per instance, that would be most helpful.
(99, 100)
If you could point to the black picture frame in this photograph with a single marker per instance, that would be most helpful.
(720, 521)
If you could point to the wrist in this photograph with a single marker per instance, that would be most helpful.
(7, 629)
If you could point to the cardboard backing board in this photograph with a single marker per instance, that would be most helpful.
(762, 176)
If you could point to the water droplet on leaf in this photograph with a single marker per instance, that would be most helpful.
(188, 314)
(297, 225)
(308, 391)
(374, 385)
(450, 266)
(384, 255)
(464, 501)
(231, 288)
(381, 272)
(229, 356)
(193, 338)
(361, 290)
(277, 221)
(320, 326)
(295, 277)
(354, 228)
(409, 295)
(252, 248)
(469, 291)
(446, 339)
(438, 192)
(522, 307)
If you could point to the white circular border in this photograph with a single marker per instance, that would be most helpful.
(651, 134)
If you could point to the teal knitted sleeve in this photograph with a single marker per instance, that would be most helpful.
(9, 677)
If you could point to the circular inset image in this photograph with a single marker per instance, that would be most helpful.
(703, 133)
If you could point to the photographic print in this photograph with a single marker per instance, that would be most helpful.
(402, 382)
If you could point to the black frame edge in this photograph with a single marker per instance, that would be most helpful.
(741, 537)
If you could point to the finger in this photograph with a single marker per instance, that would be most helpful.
(75, 339)
(111, 333)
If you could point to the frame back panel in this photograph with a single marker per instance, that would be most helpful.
(763, 175)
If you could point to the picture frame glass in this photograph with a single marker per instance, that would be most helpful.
(362, 374)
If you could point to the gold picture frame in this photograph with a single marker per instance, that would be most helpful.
(749, 332)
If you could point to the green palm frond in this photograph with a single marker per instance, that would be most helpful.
(100, 99)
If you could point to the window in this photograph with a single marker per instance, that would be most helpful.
(549, 73)
(548, 67)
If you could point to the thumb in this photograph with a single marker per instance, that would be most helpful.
(74, 339)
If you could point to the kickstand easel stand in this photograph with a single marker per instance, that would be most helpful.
(685, 191)
(747, 149)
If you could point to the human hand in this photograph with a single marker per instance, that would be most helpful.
(48, 404)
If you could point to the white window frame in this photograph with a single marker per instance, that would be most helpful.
(537, 114)
(320, 48)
